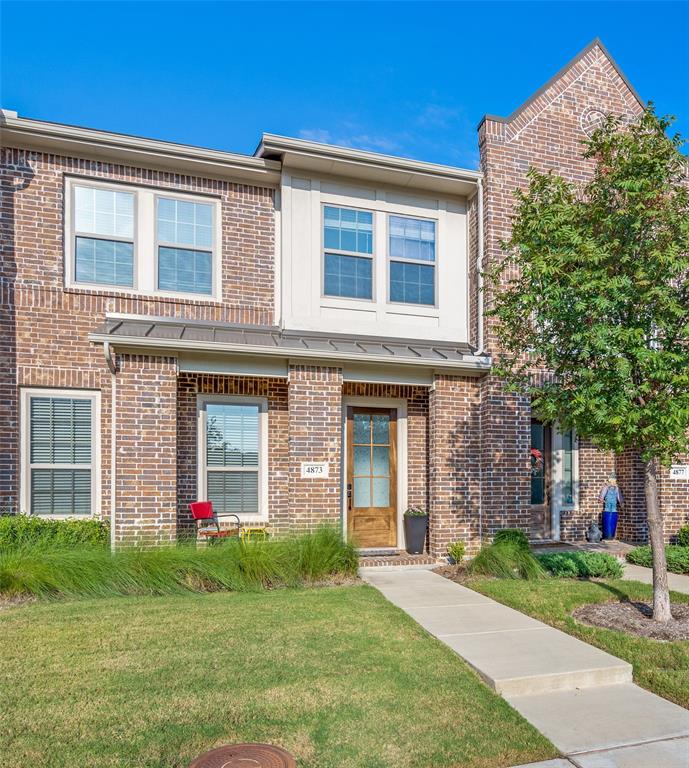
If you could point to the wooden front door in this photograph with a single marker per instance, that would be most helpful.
(541, 480)
(372, 476)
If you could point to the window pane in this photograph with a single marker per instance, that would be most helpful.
(348, 276)
(362, 492)
(537, 464)
(231, 435)
(412, 283)
(362, 460)
(381, 460)
(60, 431)
(235, 492)
(106, 262)
(60, 491)
(381, 492)
(183, 270)
(362, 428)
(103, 212)
(345, 229)
(568, 467)
(412, 238)
(381, 428)
(182, 222)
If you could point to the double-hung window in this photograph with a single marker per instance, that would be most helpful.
(412, 260)
(233, 454)
(142, 239)
(347, 252)
(185, 245)
(103, 236)
(59, 452)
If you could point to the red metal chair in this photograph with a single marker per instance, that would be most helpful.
(208, 521)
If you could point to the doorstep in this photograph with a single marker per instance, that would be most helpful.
(384, 559)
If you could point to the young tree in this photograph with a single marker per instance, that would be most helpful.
(595, 286)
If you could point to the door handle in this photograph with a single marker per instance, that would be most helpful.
(349, 495)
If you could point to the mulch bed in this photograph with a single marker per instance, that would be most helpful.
(636, 619)
(456, 573)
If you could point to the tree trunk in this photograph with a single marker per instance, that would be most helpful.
(656, 537)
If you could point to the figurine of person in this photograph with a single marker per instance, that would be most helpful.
(611, 496)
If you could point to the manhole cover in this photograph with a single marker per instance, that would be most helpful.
(245, 756)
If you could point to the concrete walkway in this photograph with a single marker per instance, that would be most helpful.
(580, 697)
(676, 581)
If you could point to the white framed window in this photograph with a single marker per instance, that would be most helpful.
(233, 454)
(565, 454)
(348, 253)
(60, 452)
(142, 240)
(411, 260)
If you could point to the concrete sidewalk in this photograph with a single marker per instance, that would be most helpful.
(580, 697)
(676, 581)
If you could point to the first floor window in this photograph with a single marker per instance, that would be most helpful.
(568, 488)
(233, 454)
(59, 452)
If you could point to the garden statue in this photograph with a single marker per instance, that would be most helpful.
(611, 496)
(594, 534)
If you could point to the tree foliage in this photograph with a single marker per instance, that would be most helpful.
(595, 285)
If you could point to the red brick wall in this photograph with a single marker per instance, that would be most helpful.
(315, 434)
(674, 500)
(547, 134)
(44, 327)
(146, 447)
(454, 462)
(191, 385)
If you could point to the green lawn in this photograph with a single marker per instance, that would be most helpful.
(659, 666)
(336, 675)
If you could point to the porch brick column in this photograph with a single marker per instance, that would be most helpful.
(453, 461)
(315, 434)
(146, 435)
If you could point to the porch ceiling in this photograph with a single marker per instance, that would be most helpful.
(175, 334)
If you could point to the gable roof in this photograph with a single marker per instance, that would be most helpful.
(595, 43)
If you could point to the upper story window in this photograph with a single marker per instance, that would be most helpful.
(142, 240)
(104, 236)
(348, 252)
(185, 246)
(412, 260)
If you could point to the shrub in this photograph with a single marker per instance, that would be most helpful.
(581, 565)
(512, 535)
(506, 560)
(92, 571)
(456, 551)
(683, 536)
(677, 558)
(23, 530)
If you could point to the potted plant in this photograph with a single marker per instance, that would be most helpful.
(415, 527)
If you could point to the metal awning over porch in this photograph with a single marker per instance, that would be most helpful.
(172, 334)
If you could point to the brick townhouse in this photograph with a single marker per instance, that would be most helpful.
(296, 335)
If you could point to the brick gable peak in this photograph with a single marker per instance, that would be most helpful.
(595, 54)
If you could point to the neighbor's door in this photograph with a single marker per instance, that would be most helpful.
(372, 476)
(540, 480)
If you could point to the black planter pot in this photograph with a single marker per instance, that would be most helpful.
(415, 527)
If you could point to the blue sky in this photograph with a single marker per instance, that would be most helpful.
(403, 78)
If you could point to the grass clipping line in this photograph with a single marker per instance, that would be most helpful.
(53, 572)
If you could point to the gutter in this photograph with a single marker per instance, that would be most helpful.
(472, 362)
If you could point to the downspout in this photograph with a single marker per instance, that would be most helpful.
(112, 367)
(480, 343)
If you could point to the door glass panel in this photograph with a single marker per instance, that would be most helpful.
(362, 492)
(537, 463)
(362, 428)
(381, 492)
(362, 460)
(381, 428)
(381, 460)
